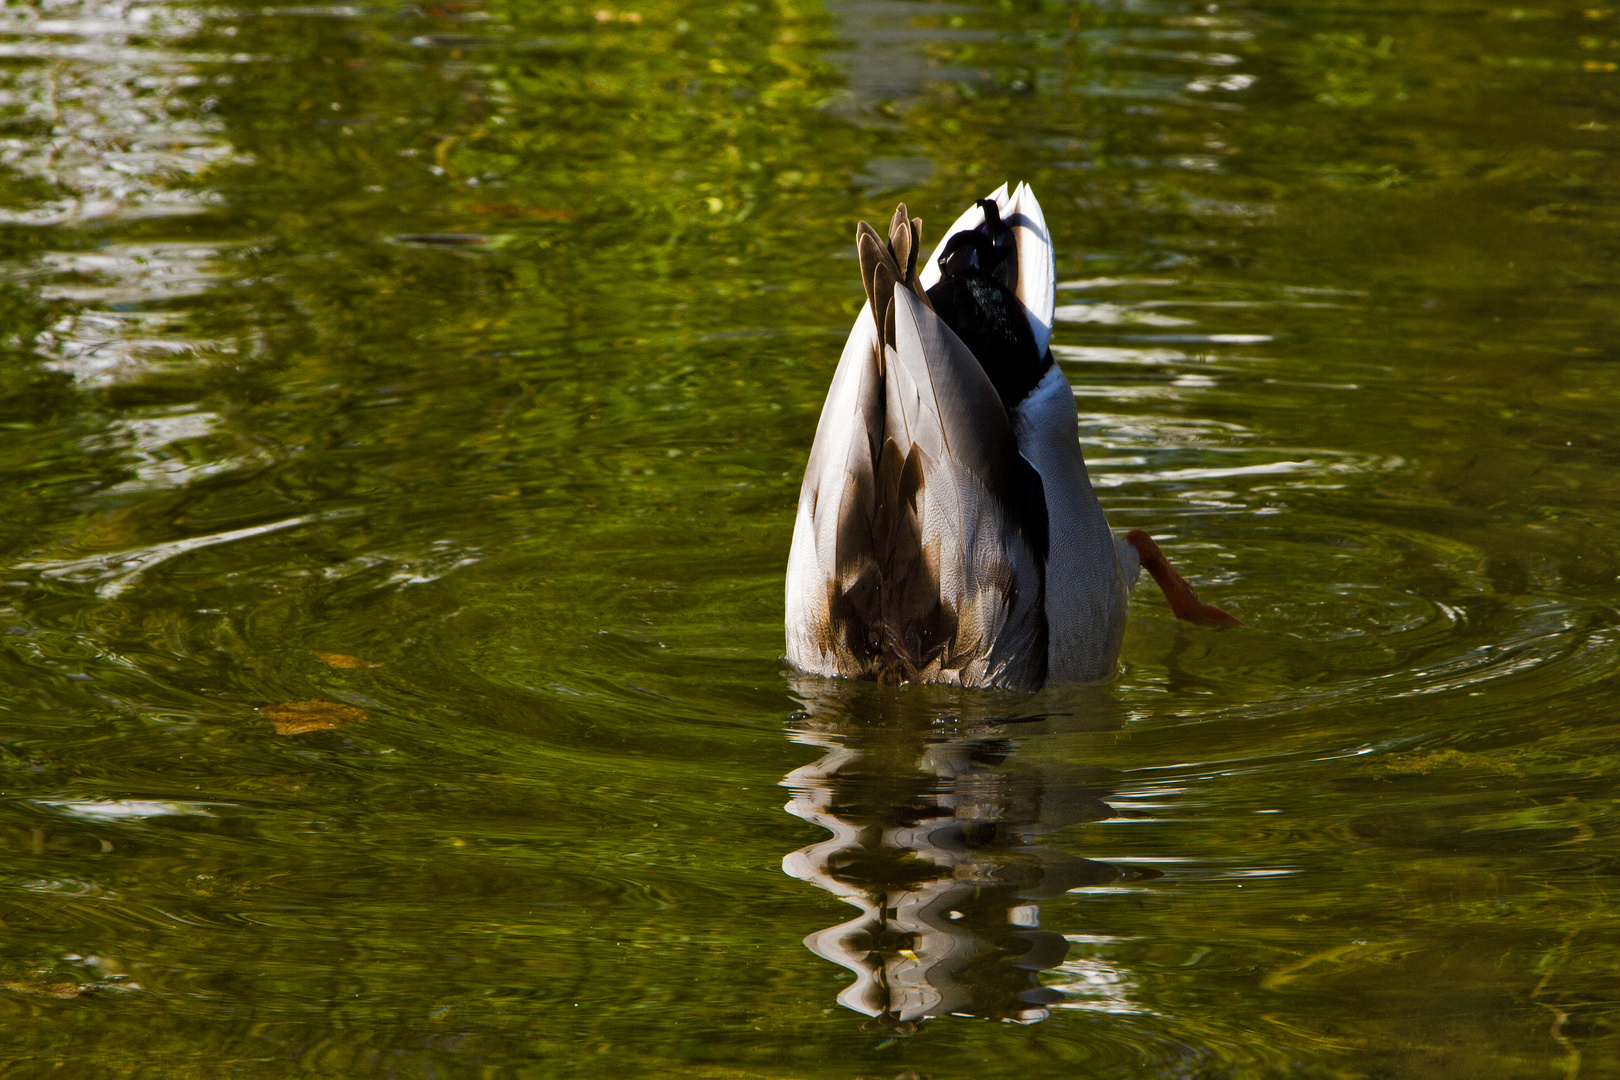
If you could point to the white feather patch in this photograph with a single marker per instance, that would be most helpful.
(1037, 268)
(1037, 265)
(971, 218)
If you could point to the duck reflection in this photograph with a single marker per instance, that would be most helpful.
(934, 820)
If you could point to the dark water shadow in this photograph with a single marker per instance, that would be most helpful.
(936, 820)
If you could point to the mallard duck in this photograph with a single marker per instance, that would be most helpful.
(947, 530)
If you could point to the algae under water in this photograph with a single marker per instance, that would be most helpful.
(402, 411)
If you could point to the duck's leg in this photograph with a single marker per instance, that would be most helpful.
(1183, 599)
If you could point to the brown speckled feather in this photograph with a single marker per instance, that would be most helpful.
(907, 564)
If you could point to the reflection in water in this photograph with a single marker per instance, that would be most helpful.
(886, 57)
(933, 819)
(108, 119)
(95, 102)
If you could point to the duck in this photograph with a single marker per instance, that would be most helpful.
(947, 530)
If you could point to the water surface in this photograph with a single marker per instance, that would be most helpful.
(404, 410)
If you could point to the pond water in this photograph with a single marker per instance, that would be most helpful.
(403, 414)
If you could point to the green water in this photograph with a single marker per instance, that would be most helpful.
(484, 342)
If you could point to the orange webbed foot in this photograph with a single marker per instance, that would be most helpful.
(1183, 598)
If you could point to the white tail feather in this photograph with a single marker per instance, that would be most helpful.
(971, 218)
(1037, 267)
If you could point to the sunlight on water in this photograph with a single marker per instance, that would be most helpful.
(106, 98)
(404, 409)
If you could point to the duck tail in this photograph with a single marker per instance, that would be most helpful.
(886, 263)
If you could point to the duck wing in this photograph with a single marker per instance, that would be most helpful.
(960, 520)
(837, 504)
(917, 553)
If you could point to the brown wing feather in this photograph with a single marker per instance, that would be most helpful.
(924, 570)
